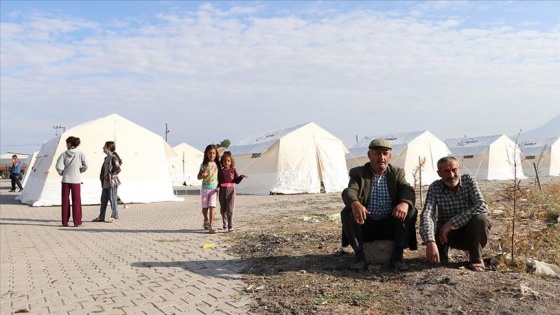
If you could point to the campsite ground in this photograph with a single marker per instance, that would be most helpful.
(296, 266)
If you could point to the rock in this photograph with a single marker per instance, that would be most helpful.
(378, 252)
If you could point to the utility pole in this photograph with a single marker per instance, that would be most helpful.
(166, 132)
(56, 128)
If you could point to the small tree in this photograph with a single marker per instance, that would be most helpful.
(515, 165)
(224, 144)
(537, 167)
(417, 176)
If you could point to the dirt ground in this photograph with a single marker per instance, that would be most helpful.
(296, 266)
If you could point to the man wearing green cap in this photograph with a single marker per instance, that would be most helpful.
(379, 205)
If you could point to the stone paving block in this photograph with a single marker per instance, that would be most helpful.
(6, 309)
(143, 309)
(77, 268)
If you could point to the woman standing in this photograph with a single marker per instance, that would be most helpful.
(70, 164)
(111, 168)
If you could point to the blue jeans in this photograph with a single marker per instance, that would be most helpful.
(109, 194)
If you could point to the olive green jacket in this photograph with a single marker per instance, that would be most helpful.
(359, 187)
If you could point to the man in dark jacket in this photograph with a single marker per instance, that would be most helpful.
(379, 205)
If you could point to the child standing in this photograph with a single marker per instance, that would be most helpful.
(111, 167)
(209, 190)
(227, 178)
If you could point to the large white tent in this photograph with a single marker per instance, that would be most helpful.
(545, 153)
(145, 174)
(408, 149)
(487, 157)
(185, 165)
(300, 159)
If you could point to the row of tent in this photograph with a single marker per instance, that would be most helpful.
(300, 159)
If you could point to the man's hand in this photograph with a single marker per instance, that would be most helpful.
(432, 252)
(359, 212)
(444, 231)
(400, 211)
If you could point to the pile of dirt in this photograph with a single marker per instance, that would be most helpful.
(296, 266)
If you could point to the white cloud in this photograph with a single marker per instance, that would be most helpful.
(353, 73)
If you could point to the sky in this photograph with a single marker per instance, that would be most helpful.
(230, 70)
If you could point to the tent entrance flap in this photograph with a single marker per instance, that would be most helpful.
(332, 170)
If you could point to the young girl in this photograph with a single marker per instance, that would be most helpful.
(227, 178)
(208, 192)
(111, 167)
(70, 164)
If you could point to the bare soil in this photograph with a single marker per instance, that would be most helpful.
(297, 266)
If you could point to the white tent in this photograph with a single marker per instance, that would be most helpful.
(545, 153)
(29, 162)
(408, 149)
(300, 159)
(145, 173)
(488, 157)
(184, 167)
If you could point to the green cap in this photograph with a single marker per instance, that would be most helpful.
(380, 144)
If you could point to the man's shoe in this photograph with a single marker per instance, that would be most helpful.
(399, 264)
(360, 262)
(12, 190)
(20, 190)
(97, 220)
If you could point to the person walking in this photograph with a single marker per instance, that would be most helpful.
(227, 179)
(208, 192)
(15, 173)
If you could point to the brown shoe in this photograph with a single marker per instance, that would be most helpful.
(477, 266)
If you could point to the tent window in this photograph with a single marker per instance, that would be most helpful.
(530, 157)
(468, 156)
(255, 155)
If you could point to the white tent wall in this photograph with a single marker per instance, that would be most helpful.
(545, 153)
(29, 162)
(298, 169)
(39, 188)
(262, 171)
(292, 160)
(145, 175)
(408, 148)
(185, 165)
(504, 154)
(333, 172)
(488, 157)
(474, 164)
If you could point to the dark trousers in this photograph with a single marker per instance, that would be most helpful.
(389, 228)
(75, 191)
(15, 181)
(472, 237)
(227, 205)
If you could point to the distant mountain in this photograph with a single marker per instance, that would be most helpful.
(550, 129)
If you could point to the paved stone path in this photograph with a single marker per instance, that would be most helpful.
(150, 261)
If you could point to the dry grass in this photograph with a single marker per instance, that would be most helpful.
(537, 233)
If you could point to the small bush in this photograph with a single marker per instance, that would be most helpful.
(537, 214)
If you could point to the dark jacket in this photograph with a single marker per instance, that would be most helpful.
(359, 187)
